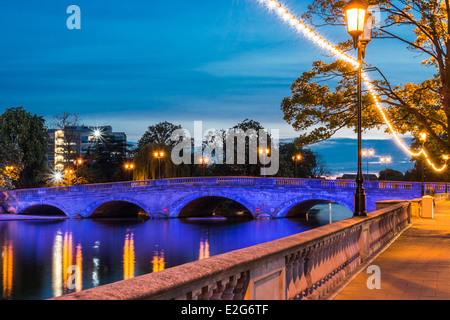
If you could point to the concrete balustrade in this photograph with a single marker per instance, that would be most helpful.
(308, 265)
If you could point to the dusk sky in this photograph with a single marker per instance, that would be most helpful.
(136, 63)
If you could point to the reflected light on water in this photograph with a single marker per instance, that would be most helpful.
(204, 248)
(158, 261)
(62, 263)
(57, 265)
(67, 257)
(128, 257)
(7, 257)
(79, 264)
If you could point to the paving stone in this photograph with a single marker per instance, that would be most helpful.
(415, 267)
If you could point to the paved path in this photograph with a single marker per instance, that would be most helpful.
(415, 267)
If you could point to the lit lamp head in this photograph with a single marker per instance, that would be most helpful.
(264, 151)
(159, 154)
(355, 13)
(423, 136)
(371, 152)
(382, 159)
(79, 161)
(364, 153)
(388, 159)
(445, 157)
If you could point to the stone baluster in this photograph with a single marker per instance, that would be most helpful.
(299, 274)
(241, 286)
(206, 294)
(290, 281)
(228, 293)
(217, 293)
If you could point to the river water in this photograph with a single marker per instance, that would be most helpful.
(36, 254)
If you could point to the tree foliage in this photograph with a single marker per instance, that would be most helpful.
(159, 134)
(323, 99)
(23, 140)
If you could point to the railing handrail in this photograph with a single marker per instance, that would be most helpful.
(236, 180)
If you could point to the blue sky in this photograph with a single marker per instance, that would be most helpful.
(136, 63)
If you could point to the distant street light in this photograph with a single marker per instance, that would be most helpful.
(78, 162)
(159, 155)
(129, 167)
(359, 27)
(69, 172)
(297, 158)
(57, 177)
(385, 161)
(264, 152)
(203, 162)
(367, 155)
(423, 138)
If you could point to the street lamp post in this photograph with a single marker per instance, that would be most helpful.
(69, 172)
(385, 161)
(446, 157)
(203, 162)
(297, 158)
(78, 162)
(129, 167)
(423, 138)
(159, 155)
(367, 155)
(264, 152)
(360, 28)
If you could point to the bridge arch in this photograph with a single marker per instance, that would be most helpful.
(37, 208)
(206, 201)
(115, 207)
(305, 203)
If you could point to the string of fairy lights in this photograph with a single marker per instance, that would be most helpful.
(286, 15)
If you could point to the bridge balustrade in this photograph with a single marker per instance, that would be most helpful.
(250, 181)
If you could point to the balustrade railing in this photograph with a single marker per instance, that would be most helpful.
(288, 182)
(292, 182)
(307, 265)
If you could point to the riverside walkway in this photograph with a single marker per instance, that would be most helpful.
(415, 267)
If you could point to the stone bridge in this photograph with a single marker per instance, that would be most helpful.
(185, 197)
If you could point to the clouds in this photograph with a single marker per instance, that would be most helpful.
(136, 63)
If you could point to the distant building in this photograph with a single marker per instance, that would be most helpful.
(66, 144)
(352, 176)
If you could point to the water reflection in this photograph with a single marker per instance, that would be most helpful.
(63, 272)
(128, 257)
(158, 262)
(204, 247)
(39, 254)
(7, 274)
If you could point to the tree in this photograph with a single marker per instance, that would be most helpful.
(310, 166)
(391, 175)
(24, 135)
(159, 134)
(104, 161)
(422, 26)
(10, 163)
(147, 165)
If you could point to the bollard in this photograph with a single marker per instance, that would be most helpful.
(427, 207)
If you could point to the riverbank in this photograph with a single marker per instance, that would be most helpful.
(14, 217)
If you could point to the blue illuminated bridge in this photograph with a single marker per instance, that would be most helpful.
(187, 197)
